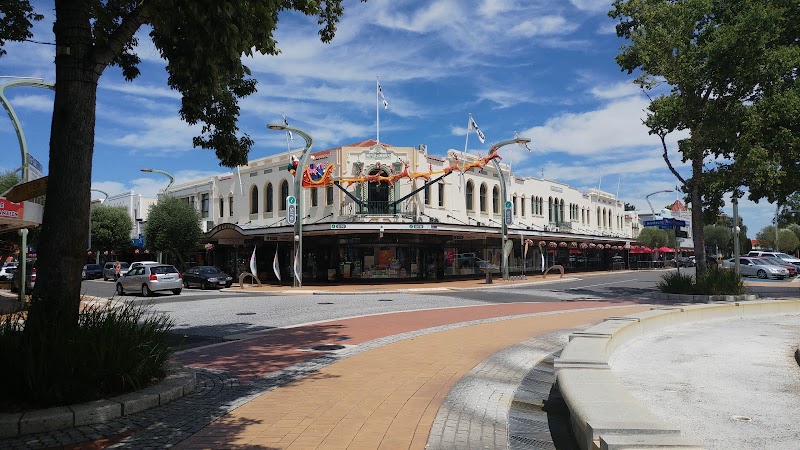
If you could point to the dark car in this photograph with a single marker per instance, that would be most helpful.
(206, 277)
(685, 261)
(30, 269)
(110, 270)
(91, 271)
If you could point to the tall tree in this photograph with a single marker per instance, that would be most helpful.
(173, 226)
(203, 43)
(653, 237)
(718, 59)
(111, 228)
(718, 237)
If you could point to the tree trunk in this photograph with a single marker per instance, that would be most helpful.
(697, 215)
(65, 224)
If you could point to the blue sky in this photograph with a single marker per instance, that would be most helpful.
(541, 68)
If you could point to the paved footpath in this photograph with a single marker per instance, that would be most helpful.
(384, 397)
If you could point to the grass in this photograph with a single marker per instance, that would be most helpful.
(711, 282)
(114, 349)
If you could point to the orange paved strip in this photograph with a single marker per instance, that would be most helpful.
(279, 349)
(384, 398)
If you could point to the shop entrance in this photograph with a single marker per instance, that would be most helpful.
(378, 194)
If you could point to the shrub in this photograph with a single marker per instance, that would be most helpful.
(113, 350)
(710, 282)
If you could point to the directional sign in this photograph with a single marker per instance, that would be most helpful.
(291, 210)
(508, 213)
(652, 223)
(27, 191)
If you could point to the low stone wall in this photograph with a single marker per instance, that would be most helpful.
(179, 382)
(603, 413)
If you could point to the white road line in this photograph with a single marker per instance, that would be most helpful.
(603, 284)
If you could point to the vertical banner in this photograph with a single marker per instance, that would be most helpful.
(275, 266)
(253, 267)
(297, 269)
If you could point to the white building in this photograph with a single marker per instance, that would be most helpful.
(137, 207)
(398, 212)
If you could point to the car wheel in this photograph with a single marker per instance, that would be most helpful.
(83, 275)
(176, 291)
(186, 284)
(120, 289)
(762, 274)
(104, 278)
(204, 285)
(146, 292)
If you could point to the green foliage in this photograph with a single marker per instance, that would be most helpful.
(795, 229)
(111, 228)
(787, 240)
(15, 24)
(718, 237)
(654, 238)
(709, 282)
(113, 350)
(173, 226)
(8, 180)
(766, 237)
(630, 207)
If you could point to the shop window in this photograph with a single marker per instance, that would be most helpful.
(268, 198)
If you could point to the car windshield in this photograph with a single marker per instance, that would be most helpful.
(160, 270)
(209, 270)
(784, 255)
(92, 266)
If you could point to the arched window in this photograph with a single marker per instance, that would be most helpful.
(561, 210)
(484, 190)
(550, 214)
(254, 200)
(284, 194)
(604, 218)
(514, 203)
(268, 202)
(427, 194)
(599, 224)
(469, 195)
(533, 206)
(522, 207)
(496, 200)
(441, 194)
(221, 207)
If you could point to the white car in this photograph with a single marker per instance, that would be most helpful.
(786, 257)
(7, 271)
(750, 267)
(150, 278)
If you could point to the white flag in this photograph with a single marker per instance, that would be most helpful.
(380, 91)
(275, 266)
(478, 131)
(291, 136)
(297, 269)
(253, 268)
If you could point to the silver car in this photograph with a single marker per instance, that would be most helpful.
(755, 267)
(148, 279)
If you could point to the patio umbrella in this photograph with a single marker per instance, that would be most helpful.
(666, 250)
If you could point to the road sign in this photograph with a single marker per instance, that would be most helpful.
(508, 213)
(291, 210)
(652, 223)
(27, 191)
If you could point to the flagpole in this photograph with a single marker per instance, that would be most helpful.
(288, 149)
(469, 125)
(377, 111)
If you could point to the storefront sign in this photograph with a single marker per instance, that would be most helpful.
(366, 226)
(230, 241)
(277, 238)
(11, 210)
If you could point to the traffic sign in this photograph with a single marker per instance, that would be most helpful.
(291, 210)
(508, 213)
(27, 191)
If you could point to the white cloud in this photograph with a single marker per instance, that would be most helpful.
(154, 134)
(544, 26)
(616, 90)
(142, 90)
(592, 5)
(39, 103)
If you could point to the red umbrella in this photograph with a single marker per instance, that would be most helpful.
(666, 250)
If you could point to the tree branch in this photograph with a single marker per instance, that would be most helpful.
(116, 42)
(666, 159)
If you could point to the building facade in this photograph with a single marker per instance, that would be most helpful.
(400, 213)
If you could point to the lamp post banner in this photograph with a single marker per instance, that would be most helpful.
(297, 269)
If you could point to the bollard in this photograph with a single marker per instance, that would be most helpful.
(488, 276)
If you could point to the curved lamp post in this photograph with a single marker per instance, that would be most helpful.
(171, 179)
(297, 266)
(647, 198)
(97, 256)
(102, 192)
(504, 195)
(23, 147)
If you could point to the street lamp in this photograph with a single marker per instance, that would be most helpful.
(647, 199)
(102, 192)
(298, 186)
(504, 195)
(171, 179)
(32, 82)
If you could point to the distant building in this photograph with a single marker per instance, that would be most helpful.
(137, 207)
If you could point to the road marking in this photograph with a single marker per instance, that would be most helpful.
(603, 284)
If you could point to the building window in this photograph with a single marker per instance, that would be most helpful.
(550, 209)
(522, 206)
(329, 195)
(483, 197)
(221, 206)
(269, 203)
(254, 200)
(284, 194)
(205, 205)
(469, 195)
(230, 206)
(314, 197)
(441, 194)
(514, 199)
(561, 211)
(496, 200)
(427, 194)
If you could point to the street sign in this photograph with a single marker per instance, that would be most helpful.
(291, 210)
(27, 191)
(652, 223)
(508, 213)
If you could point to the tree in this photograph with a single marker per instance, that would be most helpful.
(654, 238)
(203, 43)
(111, 228)
(173, 226)
(726, 64)
(766, 237)
(8, 239)
(790, 209)
(718, 237)
(787, 240)
(630, 207)
(795, 229)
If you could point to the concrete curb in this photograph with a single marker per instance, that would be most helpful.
(179, 381)
(685, 298)
(602, 412)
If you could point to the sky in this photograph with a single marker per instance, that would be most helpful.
(543, 69)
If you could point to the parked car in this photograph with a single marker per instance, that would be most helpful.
(206, 277)
(684, 261)
(143, 263)
(148, 279)
(109, 269)
(753, 267)
(786, 257)
(91, 271)
(779, 262)
(30, 271)
(7, 271)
